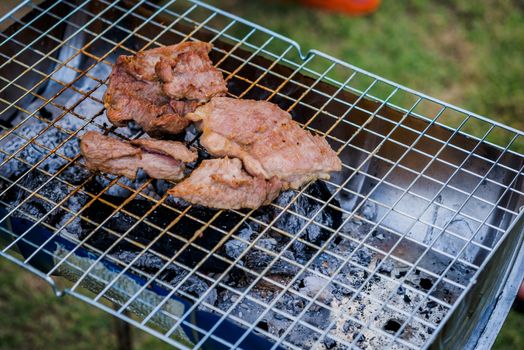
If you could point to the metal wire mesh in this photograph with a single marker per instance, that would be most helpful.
(435, 187)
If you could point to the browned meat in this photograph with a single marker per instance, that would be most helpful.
(159, 159)
(221, 183)
(135, 91)
(267, 140)
(188, 73)
(128, 98)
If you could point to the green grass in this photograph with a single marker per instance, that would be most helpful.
(33, 318)
(511, 336)
(469, 53)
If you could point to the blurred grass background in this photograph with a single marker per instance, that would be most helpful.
(469, 53)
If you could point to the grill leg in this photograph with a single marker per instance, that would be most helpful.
(123, 334)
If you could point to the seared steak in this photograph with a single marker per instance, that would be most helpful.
(221, 183)
(159, 159)
(128, 98)
(136, 92)
(266, 139)
(187, 73)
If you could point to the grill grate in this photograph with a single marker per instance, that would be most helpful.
(426, 197)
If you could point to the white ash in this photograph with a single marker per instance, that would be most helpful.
(314, 285)
(122, 187)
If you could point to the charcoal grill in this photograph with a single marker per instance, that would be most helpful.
(417, 243)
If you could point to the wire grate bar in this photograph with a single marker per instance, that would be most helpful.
(422, 221)
(465, 246)
(288, 261)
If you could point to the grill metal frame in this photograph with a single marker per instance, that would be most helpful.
(64, 260)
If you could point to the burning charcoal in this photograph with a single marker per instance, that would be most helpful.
(145, 260)
(151, 263)
(277, 323)
(317, 316)
(309, 208)
(267, 243)
(161, 187)
(401, 272)
(326, 264)
(362, 257)
(361, 339)
(431, 304)
(300, 251)
(378, 234)
(237, 278)
(351, 328)
(258, 260)
(340, 292)
(263, 325)
(118, 190)
(55, 191)
(293, 304)
(278, 316)
(50, 138)
(347, 326)
(352, 276)
(284, 268)
(248, 310)
(144, 232)
(12, 143)
(329, 343)
(197, 287)
(234, 248)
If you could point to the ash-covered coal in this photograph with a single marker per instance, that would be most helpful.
(40, 169)
(50, 150)
(304, 208)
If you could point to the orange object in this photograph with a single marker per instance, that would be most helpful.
(352, 7)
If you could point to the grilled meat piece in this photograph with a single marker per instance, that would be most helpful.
(136, 92)
(187, 73)
(129, 98)
(159, 159)
(266, 139)
(221, 183)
